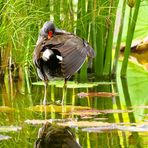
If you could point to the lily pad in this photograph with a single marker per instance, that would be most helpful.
(73, 84)
(84, 124)
(94, 112)
(96, 94)
(3, 137)
(112, 111)
(141, 128)
(61, 82)
(10, 128)
(39, 121)
(36, 122)
(141, 106)
(83, 113)
(113, 126)
(6, 109)
(56, 108)
(101, 128)
(134, 69)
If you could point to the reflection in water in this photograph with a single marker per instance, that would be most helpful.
(120, 116)
(127, 99)
(55, 136)
(134, 137)
(17, 107)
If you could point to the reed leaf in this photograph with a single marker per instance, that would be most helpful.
(117, 49)
(110, 25)
(130, 33)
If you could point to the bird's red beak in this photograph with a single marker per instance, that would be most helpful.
(50, 33)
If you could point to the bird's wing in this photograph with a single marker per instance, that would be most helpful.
(90, 51)
(74, 54)
(37, 53)
(73, 51)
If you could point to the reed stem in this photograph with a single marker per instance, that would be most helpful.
(117, 49)
(130, 33)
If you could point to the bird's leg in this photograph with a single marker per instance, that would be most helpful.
(64, 92)
(45, 91)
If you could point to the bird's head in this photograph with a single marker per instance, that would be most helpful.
(48, 29)
(46, 32)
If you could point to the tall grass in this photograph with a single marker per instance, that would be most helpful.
(20, 21)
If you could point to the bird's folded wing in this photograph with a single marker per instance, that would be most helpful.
(36, 54)
(73, 50)
(74, 55)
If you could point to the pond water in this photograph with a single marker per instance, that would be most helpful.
(100, 114)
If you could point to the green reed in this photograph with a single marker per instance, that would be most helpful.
(130, 33)
(92, 20)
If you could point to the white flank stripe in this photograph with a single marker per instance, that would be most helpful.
(46, 54)
(59, 57)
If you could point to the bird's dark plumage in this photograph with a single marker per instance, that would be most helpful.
(60, 55)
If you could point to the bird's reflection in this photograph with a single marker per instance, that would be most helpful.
(55, 136)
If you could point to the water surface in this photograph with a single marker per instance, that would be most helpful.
(98, 121)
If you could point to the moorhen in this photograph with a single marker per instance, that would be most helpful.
(59, 54)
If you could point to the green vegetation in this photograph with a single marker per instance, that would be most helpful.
(130, 33)
(108, 112)
(20, 21)
(94, 119)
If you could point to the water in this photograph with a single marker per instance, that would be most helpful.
(119, 121)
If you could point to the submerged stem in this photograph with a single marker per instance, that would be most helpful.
(45, 92)
(64, 93)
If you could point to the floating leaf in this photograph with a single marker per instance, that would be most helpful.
(87, 117)
(70, 122)
(73, 84)
(56, 108)
(52, 82)
(10, 128)
(136, 70)
(142, 106)
(84, 124)
(38, 121)
(101, 119)
(3, 137)
(141, 128)
(85, 112)
(93, 112)
(6, 109)
(100, 128)
(94, 119)
(94, 126)
(113, 126)
(115, 111)
(104, 83)
(96, 94)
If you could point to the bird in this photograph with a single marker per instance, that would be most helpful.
(59, 54)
